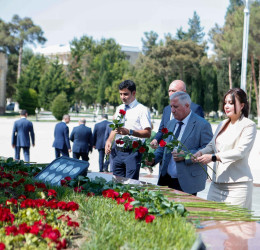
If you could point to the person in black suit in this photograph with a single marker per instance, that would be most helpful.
(99, 141)
(81, 136)
(175, 86)
(61, 138)
(22, 131)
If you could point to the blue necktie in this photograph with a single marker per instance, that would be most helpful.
(177, 133)
(127, 107)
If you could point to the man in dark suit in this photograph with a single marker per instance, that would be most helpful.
(81, 137)
(175, 86)
(194, 132)
(61, 138)
(99, 141)
(22, 131)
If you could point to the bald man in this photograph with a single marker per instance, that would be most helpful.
(175, 86)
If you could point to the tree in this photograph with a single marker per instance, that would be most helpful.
(149, 42)
(25, 31)
(60, 106)
(53, 83)
(195, 32)
(28, 99)
(31, 77)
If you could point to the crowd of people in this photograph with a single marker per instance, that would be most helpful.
(228, 148)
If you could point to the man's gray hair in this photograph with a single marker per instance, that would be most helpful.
(82, 120)
(182, 96)
(65, 116)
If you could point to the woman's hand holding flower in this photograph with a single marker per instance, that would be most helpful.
(204, 159)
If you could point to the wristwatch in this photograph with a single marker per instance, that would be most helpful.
(131, 132)
(214, 158)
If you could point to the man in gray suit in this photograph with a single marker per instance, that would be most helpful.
(194, 132)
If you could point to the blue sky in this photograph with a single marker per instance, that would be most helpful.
(123, 20)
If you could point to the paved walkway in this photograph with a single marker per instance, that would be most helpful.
(44, 153)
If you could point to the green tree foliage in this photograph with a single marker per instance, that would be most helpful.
(175, 59)
(25, 31)
(149, 41)
(31, 77)
(96, 66)
(233, 4)
(53, 83)
(60, 106)
(195, 31)
(28, 99)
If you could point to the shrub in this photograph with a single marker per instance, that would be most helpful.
(60, 106)
(28, 99)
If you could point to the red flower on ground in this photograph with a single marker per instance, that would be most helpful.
(52, 192)
(68, 178)
(110, 193)
(73, 224)
(162, 143)
(29, 188)
(122, 112)
(135, 144)
(120, 200)
(11, 201)
(130, 199)
(2, 246)
(22, 197)
(142, 150)
(149, 218)
(90, 194)
(126, 196)
(78, 189)
(165, 131)
(128, 207)
(140, 212)
(63, 182)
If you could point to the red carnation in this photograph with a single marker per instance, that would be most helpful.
(29, 188)
(120, 200)
(52, 192)
(126, 196)
(165, 131)
(122, 112)
(162, 143)
(135, 144)
(142, 150)
(149, 218)
(63, 182)
(128, 207)
(119, 142)
(68, 178)
(2, 246)
(90, 194)
(140, 212)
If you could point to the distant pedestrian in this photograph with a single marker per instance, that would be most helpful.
(61, 138)
(81, 137)
(99, 142)
(22, 131)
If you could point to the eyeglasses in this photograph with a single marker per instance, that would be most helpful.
(171, 90)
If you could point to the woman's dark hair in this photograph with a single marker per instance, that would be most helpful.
(127, 84)
(241, 96)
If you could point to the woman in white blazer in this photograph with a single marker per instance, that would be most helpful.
(229, 149)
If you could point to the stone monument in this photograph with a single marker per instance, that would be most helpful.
(3, 72)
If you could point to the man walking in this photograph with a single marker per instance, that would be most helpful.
(81, 136)
(126, 163)
(22, 131)
(175, 86)
(194, 132)
(99, 141)
(61, 138)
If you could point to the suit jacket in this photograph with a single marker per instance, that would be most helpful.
(22, 131)
(82, 138)
(234, 153)
(99, 139)
(197, 135)
(61, 136)
(197, 109)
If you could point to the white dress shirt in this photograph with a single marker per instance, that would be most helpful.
(137, 117)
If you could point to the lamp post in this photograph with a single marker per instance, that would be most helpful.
(245, 45)
(36, 113)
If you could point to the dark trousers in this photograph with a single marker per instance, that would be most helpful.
(84, 156)
(103, 166)
(127, 164)
(26, 153)
(173, 183)
(63, 152)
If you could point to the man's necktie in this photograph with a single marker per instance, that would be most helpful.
(127, 107)
(177, 133)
